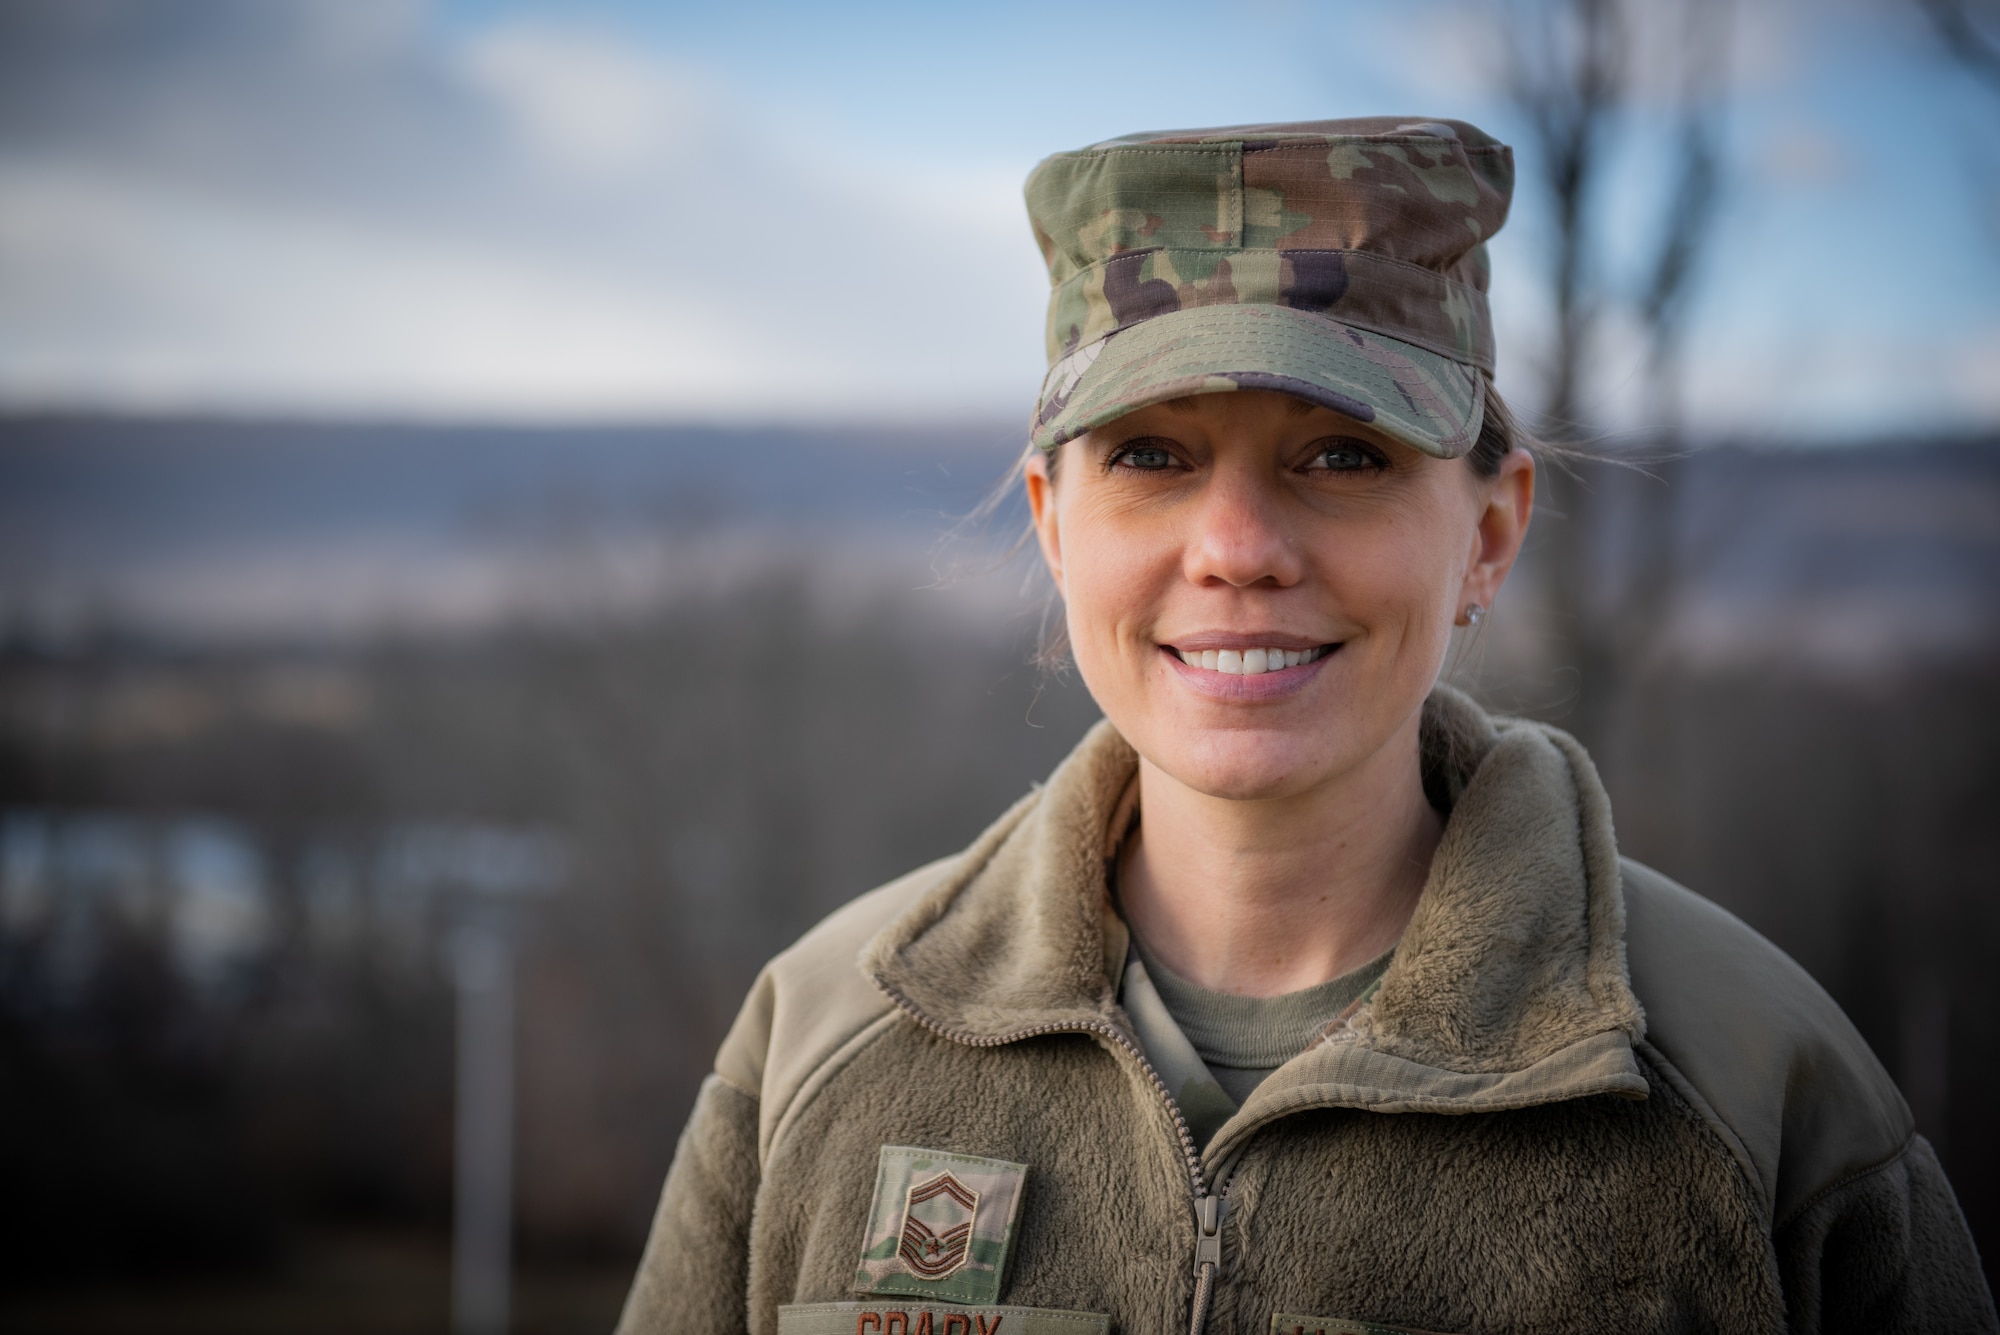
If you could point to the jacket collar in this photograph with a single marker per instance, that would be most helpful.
(1509, 988)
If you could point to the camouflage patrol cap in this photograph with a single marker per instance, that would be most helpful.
(1343, 262)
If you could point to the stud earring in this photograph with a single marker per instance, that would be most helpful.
(1474, 614)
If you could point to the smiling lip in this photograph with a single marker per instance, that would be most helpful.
(1240, 640)
(1239, 668)
(1248, 662)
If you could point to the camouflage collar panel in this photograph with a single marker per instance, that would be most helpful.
(1356, 287)
(1510, 983)
(1420, 197)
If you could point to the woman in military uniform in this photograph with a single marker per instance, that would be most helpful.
(1305, 996)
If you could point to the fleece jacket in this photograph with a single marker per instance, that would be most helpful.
(1582, 1099)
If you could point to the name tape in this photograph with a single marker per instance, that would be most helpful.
(852, 1318)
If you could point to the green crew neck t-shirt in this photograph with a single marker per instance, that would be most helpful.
(1212, 1048)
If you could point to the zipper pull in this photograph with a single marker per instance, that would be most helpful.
(1208, 1239)
(1208, 1212)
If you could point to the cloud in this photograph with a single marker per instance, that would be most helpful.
(343, 211)
(585, 101)
(290, 308)
(1803, 155)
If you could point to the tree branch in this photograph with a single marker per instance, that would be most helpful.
(1972, 46)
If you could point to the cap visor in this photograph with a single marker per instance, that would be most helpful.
(1428, 402)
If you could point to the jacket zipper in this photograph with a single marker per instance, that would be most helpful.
(1207, 1255)
(1209, 1207)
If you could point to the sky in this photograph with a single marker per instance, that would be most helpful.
(504, 210)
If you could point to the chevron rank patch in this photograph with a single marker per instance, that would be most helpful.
(940, 1225)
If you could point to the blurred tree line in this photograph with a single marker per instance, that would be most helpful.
(722, 770)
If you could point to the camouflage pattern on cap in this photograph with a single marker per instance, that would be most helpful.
(1340, 261)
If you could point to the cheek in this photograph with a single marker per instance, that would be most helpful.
(1401, 577)
(1110, 569)
(1115, 584)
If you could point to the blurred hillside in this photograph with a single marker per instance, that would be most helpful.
(281, 705)
(284, 531)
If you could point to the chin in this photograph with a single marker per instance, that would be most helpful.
(1242, 765)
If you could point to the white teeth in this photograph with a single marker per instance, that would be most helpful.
(1247, 662)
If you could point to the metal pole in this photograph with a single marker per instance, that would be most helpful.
(482, 1226)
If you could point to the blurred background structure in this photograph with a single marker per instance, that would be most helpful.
(472, 475)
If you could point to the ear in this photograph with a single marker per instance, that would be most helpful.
(1041, 486)
(1508, 502)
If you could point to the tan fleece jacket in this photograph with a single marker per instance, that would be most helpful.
(1582, 1099)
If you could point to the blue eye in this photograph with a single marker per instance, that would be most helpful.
(1344, 456)
(1144, 456)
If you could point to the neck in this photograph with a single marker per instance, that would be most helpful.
(1259, 898)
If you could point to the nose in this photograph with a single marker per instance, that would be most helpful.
(1238, 534)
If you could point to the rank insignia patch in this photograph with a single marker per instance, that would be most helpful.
(940, 1225)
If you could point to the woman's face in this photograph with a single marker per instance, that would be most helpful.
(1253, 531)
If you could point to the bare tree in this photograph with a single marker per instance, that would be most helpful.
(1574, 73)
(1567, 70)
(1644, 614)
(1690, 207)
(1970, 31)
